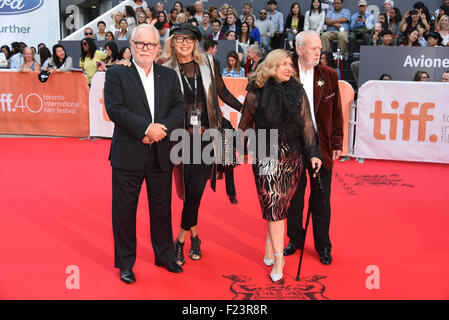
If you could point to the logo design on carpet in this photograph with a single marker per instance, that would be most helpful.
(309, 288)
(379, 180)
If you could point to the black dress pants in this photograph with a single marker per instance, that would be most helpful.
(126, 186)
(321, 222)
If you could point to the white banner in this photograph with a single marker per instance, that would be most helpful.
(29, 21)
(399, 120)
(100, 124)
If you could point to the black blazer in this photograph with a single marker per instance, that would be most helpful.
(288, 22)
(127, 106)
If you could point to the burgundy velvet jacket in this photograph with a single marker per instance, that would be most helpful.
(328, 112)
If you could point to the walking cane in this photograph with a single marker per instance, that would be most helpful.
(315, 190)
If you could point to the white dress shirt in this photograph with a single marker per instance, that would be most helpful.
(148, 85)
(306, 78)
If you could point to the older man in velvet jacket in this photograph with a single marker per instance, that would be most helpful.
(321, 85)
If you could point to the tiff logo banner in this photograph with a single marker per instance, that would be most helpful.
(399, 120)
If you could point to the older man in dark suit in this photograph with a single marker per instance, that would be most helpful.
(321, 86)
(145, 103)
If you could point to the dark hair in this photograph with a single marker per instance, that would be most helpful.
(420, 5)
(418, 75)
(180, 3)
(398, 16)
(385, 75)
(329, 58)
(152, 11)
(113, 47)
(291, 9)
(385, 31)
(234, 55)
(101, 22)
(165, 16)
(129, 11)
(248, 34)
(191, 10)
(311, 7)
(92, 48)
(8, 50)
(44, 54)
(216, 21)
(110, 32)
(122, 51)
(58, 63)
(209, 44)
(407, 33)
(383, 14)
(173, 10)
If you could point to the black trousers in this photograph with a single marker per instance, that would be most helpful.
(295, 230)
(195, 179)
(230, 183)
(126, 186)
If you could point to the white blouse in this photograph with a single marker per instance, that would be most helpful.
(315, 21)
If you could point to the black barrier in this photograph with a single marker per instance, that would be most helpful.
(402, 62)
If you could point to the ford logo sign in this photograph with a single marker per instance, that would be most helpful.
(11, 7)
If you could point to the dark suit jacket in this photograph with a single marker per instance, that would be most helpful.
(328, 112)
(127, 106)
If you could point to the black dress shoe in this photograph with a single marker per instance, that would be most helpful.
(171, 266)
(325, 256)
(290, 249)
(127, 276)
(233, 199)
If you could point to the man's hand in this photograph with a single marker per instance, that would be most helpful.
(155, 133)
(336, 154)
(316, 165)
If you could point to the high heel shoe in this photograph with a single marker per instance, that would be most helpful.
(179, 253)
(195, 249)
(277, 276)
(268, 262)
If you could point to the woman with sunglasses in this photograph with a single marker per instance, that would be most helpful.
(201, 83)
(91, 58)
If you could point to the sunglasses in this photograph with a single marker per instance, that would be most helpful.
(263, 13)
(88, 33)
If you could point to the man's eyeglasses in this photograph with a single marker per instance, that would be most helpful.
(263, 13)
(140, 45)
(181, 39)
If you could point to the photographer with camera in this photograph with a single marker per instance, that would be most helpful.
(361, 25)
(411, 19)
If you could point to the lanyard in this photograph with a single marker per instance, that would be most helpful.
(194, 90)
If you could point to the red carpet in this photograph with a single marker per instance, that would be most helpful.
(55, 209)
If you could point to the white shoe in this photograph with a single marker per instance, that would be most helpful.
(268, 262)
(277, 276)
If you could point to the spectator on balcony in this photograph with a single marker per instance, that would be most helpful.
(411, 19)
(29, 64)
(124, 56)
(160, 7)
(314, 18)
(205, 26)
(254, 31)
(421, 35)
(213, 11)
(421, 76)
(362, 23)
(172, 17)
(337, 21)
(17, 57)
(59, 61)
(139, 5)
(294, 23)
(445, 76)
(44, 56)
(115, 27)
(223, 13)
(411, 38)
(233, 67)
(245, 40)
(181, 18)
(141, 18)
(388, 8)
(162, 26)
(254, 59)
(375, 39)
(421, 7)
(395, 20)
(266, 30)
(130, 16)
(387, 38)
(327, 59)
(101, 31)
(123, 34)
(231, 23)
(152, 16)
(199, 10)
(89, 33)
(278, 21)
(91, 58)
(247, 12)
(216, 33)
(385, 77)
(109, 36)
(179, 6)
(434, 39)
(443, 29)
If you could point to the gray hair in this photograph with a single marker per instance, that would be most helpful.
(140, 28)
(256, 49)
(302, 37)
(391, 1)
